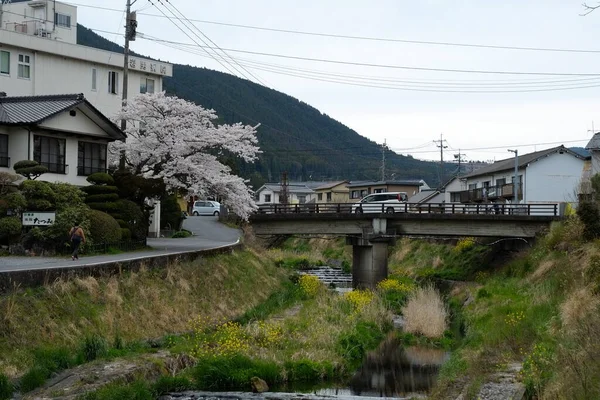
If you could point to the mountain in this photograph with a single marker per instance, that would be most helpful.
(294, 136)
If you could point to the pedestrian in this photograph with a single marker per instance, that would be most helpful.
(77, 237)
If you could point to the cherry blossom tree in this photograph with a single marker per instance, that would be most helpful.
(179, 142)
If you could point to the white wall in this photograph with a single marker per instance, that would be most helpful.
(42, 18)
(553, 179)
(456, 185)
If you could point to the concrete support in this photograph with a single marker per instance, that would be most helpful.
(154, 228)
(369, 261)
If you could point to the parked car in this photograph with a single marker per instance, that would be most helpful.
(206, 207)
(388, 202)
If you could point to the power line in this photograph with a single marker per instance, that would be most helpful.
(366, 38)
(389, 66)
(214, 44)
(564, 86)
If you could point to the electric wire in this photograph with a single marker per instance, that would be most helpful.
(367, 38)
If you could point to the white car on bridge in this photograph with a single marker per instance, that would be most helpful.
(386, 202)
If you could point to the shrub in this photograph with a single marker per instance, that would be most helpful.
(6, 388)
(425, 313)
(100, 178)
(29, 169)
(137, 390)
(101, 198)
(104, 228)
(133, 215)
(66, 195)
(106, 207)
(10, 226)
(56, 236)
(170, 213)
(125, 234)
(13, 201)
(590, 216)
(99, 189)
(169, 384)
(359, 298)
(34, 378)
(40, 195)
(464, 244)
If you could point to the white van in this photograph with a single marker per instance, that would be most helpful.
(387, 202)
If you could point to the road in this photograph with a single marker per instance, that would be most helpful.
(208, 233)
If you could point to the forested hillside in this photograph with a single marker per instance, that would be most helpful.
(294, 136)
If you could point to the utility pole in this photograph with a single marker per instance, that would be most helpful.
(440, 144)
(383, 149)
(130, 32)
(284, 194)
(459, 158)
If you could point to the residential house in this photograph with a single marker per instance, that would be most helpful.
(333, 192)
(39, 55)
(64, 133)
(298, 193)
(358, 190)
(545, 176)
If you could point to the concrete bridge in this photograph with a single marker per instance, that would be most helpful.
(374, 227)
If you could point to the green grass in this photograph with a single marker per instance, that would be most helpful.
(6, 388)
(288, 295)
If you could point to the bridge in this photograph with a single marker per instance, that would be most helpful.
(373, 227)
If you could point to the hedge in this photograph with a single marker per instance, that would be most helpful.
(101, 198)
(104, 228)
(100, 178)
(99, 189)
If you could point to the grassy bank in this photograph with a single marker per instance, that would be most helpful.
(131, 307)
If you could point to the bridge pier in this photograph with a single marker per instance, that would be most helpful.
(370, 255)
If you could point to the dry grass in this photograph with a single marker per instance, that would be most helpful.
(578, 306)
(425, 313)
(135, 306)
(542, 270)
(400, 252)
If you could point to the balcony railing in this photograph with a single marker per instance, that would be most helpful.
(85, 171)
(503, 192)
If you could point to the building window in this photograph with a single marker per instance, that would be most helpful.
(63, 20)
(486, 184)
(455, 197)
(113, 82)
(355, 194)
(472, 186)
(501, 182)
(147, 85)
(24, 66)
(320, 196)
(378, 191)
(94, 79)
(328, 196)
(4, 160)
(50, 152)
(301, 199)
(267, 198)
(4, 62)
(91, 158)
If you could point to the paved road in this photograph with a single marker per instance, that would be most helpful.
(208, 233)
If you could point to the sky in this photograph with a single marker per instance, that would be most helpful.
(406, 108)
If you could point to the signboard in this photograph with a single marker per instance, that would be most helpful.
(146, 65)
(38, 218)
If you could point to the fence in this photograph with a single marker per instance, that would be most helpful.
(118, 246)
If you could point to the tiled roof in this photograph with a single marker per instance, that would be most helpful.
(594, 143)
(330, 185)
(32, 110)
(276, 187)
(509, 163)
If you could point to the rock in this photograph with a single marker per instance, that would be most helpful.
(258, 385)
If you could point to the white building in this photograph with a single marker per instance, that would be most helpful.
(39, 55)
(64, 133)
(547, 176)
(270, 193)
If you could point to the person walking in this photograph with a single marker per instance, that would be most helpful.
(77, 237)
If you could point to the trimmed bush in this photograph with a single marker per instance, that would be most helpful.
(106, 207)
(181, 234)
(170, 213)
(40, 195)
(102, 198)
(98, 189)
(66, 195)
(104, 228)
(133, 215)
(10, 226)
(100, 178)
(29, 169)
(125, 234)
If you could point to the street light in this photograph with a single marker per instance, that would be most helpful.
(515, 184)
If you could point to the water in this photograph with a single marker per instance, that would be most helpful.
(335, 277)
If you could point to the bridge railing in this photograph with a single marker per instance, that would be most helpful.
(550, 209)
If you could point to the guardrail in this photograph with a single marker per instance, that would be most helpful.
(550, 209)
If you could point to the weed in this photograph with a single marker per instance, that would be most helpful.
(283, 298)
(93, 347)
(137, 390)
(166, 384)
(309, 371)
(310, 285)
(353, 345)
(425, 313)
(6, 388)
(464, 244)
(233, 372)
(181, 234)
(33, 379)
(359, 298)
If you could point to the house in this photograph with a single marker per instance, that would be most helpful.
(544, 176)
(298, 193)
(358, 190)
(64, 133)
(333, 192)
(39, 55)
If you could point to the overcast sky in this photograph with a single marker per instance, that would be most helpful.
(409, 120)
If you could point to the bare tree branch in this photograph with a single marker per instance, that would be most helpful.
(588, 9)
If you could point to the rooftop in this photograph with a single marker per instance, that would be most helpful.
(34, 110)
(406, 182)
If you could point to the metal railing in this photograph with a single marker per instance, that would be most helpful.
(56, 168)
(505, 191)
(547, 209)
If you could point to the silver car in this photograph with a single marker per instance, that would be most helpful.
(206, 207)
(387, 202)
